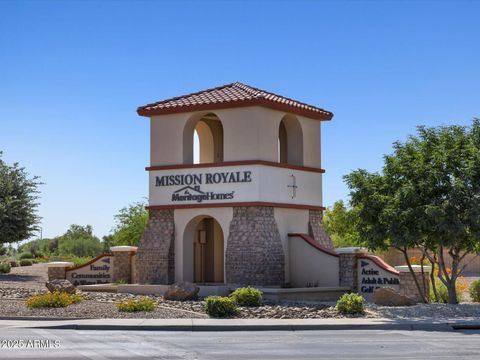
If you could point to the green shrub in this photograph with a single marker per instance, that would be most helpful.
(4, 268)
(247, 296)
(26, 262)
(39, 254)
(351, 304)
(120, 282)
(442, 291)
(80, 260)
(475, 291)
(53, 300)
(220, 306)
(25, 255)
(134, 305)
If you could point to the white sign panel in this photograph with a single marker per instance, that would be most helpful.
(99, 271)
(374, 273)
(235, 184)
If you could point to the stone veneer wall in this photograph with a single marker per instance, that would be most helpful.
(56, 273)
(122, 266)
(408, 287)
(348, 270)
(316, 230)
(254, 254)
(155, 254)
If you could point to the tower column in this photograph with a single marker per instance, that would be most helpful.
(316, 229)
(155, 254)
(254, 254)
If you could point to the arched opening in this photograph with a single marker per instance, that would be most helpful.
(290, 141)
(203, 251)
(203, 139)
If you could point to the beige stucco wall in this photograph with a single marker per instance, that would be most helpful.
(311, 266)
(250, 133)
(290, 221)
(184, 247)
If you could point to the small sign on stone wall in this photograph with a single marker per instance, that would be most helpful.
(373, 273)
(97, 271)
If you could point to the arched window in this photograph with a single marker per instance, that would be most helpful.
(290, 141)
(203, 140)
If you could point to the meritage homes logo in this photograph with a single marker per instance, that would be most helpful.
(191, 190)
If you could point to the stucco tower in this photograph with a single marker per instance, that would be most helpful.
(223, 214)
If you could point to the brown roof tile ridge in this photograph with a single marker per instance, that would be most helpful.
(267, 95)
(186, 95)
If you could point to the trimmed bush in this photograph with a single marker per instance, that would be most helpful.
(220, 306)
(25, 255)
(26, 262)
(134, 305)
(4, 268)
(475, 291)
(351, 304)
(53, 300)
(247, 296)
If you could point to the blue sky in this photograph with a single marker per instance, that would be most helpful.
(73, 73)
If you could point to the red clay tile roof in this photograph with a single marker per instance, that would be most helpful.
(230, 96)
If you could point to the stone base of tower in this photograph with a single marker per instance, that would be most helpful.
(316, 229)
(155, 254)
(254, 253)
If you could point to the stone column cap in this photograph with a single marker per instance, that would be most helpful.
(60, 264)
(123, 248)
(351, 250)
(416, 268)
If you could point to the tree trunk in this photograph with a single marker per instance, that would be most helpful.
(412, 273)
(452, 292)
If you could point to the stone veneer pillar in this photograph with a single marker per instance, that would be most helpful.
(57, 269)
(155, 254)
(254, 254)
(316, 230)
(407, 283)
(122, 263)
(348, 266)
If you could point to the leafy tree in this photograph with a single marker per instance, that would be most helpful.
(130, 224)
(107, 242)
(340, 223)
(79, 241)
(428, 197)
(18, 203)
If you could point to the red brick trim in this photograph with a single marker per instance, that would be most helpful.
(142, 111)
(308, 239)
(235, 204)
(90, 262)
(379, 262)
(236, 163)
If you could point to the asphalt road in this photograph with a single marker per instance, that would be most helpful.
(351, 344)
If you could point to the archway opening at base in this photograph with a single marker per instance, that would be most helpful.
(203, 251)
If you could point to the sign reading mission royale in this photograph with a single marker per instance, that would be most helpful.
(191, 190)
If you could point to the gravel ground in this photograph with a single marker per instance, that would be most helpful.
(27, 281)
(91, 310)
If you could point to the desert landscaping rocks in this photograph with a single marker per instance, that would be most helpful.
(182, 291)
(60, 286)
(16, 287)
(388, 297)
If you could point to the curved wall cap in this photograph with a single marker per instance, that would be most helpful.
(351, 250)
(60, 264)
(415, 268)
(123, 248)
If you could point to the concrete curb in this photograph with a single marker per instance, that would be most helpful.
(193, 325)
(213, 328)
